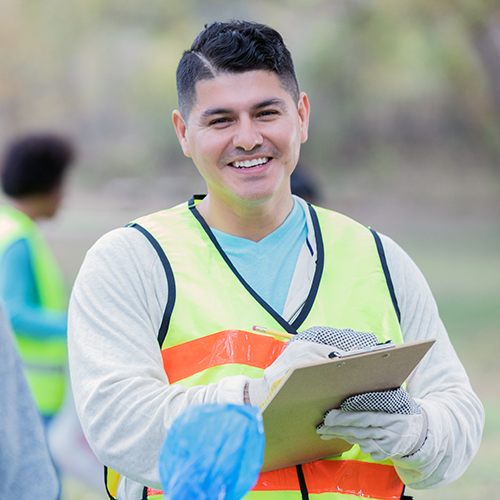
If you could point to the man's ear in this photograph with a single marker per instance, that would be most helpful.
(181, 131)
(304, 109)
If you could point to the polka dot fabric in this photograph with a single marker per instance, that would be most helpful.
(347, 339)
(397, 401)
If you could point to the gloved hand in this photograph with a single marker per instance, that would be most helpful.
(345, 340)
(386, 424)
(295, 354)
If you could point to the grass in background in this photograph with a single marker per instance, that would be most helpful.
(462, 266)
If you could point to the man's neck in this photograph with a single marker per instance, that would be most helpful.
(251, 221)
(34, 206)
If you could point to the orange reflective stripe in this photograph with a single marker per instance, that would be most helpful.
(348, 477)
(152, 492)
(221, 348)
(278, 480)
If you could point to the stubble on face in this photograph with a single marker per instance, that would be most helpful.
(244, 137)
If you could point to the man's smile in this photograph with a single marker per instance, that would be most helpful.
(249, 163)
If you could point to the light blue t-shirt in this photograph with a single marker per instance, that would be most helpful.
(269, 264)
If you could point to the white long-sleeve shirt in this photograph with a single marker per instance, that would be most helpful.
(124, 399)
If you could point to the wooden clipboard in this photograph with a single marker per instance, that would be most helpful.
(303, 397)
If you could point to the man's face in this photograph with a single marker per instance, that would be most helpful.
(244, 134)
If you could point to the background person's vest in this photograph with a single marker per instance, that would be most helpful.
(44, 359)
(351, 289)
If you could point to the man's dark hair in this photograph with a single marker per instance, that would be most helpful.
(233, 47)
(35, 164)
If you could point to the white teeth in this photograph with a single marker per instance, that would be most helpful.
(250, 163)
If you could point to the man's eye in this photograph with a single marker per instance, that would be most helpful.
(268, 112)
(219, 121)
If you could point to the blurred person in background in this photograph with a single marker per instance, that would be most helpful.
(26, 468)
(32, 287)
(33, 174)
(304, 186)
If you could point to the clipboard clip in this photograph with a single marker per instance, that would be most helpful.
(340, 353)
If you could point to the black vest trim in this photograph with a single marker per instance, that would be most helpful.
(167, 314)
(311, 251)
(106, 483)
(302, 483)
(318, 273)
(284, 324)
(403, 496)
(385, 267)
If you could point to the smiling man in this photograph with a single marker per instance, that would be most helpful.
(244, 137)
(162, 311)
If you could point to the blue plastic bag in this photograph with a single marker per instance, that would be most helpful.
(212, 452)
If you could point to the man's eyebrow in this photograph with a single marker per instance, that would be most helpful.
(274, 101)
(215, 111)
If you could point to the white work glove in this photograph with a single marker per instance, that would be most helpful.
(295, 354)
(344, 340)
(387, 424)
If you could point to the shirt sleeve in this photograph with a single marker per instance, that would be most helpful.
(439, 384)
(19, 292)
(24, 456)
(122, 395)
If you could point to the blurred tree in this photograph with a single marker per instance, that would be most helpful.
(390, 81)
(396, 75)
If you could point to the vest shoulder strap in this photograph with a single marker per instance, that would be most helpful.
(387, 273)
(167, 314)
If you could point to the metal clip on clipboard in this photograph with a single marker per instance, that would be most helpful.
(340, 353)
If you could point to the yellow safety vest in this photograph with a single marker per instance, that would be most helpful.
(351, 289)
(44, 359)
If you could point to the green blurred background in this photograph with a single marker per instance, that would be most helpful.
(404, 137)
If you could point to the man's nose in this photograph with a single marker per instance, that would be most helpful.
(247, 135)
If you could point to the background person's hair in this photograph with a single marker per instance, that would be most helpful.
(233, 47)
(35, 164)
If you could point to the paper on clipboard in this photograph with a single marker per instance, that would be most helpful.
(292, 414)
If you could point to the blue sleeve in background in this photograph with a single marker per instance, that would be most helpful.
(19, 293)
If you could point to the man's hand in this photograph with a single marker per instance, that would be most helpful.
(384, 424)
(296, 354)
(387, 424)
(345, 340)
(313, 344)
